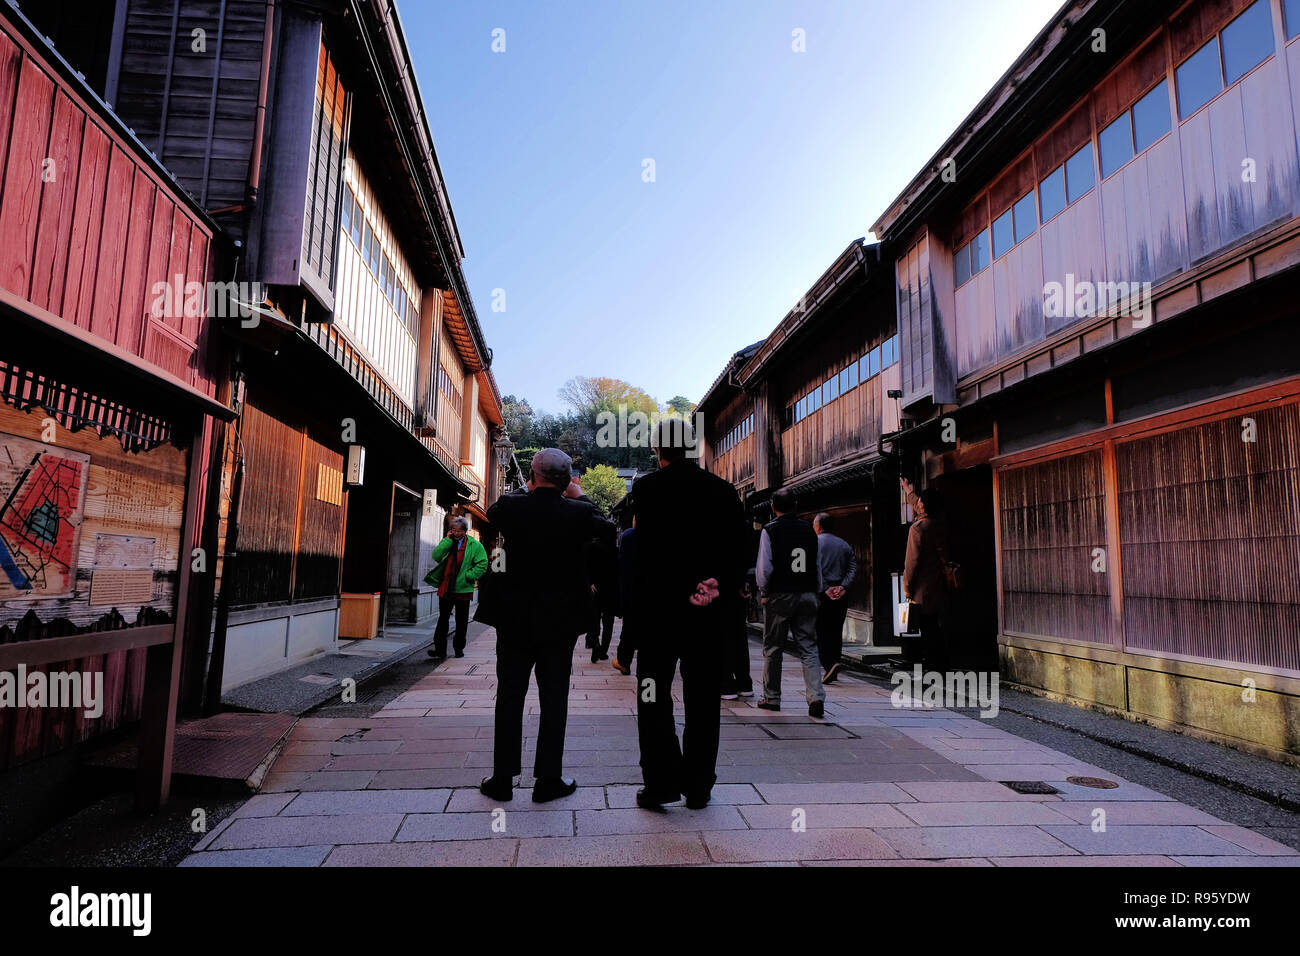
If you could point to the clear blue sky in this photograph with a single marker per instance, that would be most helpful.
(768, 162)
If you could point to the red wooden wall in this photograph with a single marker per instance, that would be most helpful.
(87, 226)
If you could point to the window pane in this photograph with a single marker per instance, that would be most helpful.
(345, 215)
(1151, 116)
(961, 263)
(1003, 235)
(1247, 41)
(1025, 216)
(864, 367)
(979, 253)
(1115, 144)
(365, 243)
(830, 390)
(844, 381)
(1079, 173)
(1292, 9)
(1198, 80)
(892, 345)
(874, 358)
(1051, 194)
(853, 375)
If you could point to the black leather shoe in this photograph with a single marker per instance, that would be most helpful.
(460, 653)
(495, 789)
(647, 800)
(553, 789)
(768, 705)
(816, 709)
(697, 801)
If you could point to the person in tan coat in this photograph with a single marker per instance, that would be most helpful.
(924, 583)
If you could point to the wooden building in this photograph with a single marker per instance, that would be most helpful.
(1100, 367)
(366, 411)
(805, 409)
(109, 397)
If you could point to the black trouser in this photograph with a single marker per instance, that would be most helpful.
(627, 640)
(603, 621)
(735, 662)
(934, 639)
(830, 629)
(460, 602)
(670, 769)
(519, 653)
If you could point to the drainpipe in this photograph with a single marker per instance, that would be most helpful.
(263, 85)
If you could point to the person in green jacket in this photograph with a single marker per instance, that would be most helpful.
(458, 562)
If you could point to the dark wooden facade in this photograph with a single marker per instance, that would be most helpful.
(806, 409)
(1139, 449)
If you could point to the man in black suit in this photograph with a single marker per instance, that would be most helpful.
(547, 605)
(690, 540)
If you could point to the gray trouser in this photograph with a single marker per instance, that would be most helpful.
(795, 615)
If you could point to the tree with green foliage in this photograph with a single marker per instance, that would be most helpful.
(602, 485)
(680, 404)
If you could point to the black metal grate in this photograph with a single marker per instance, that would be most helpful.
(1030, 786)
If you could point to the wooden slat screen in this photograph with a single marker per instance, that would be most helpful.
(316, 569)
(1053, 518)
(1210, 531)
(268, 509)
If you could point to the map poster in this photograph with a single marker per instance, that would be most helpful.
(42, 502)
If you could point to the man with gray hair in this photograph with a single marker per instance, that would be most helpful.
(547, 603)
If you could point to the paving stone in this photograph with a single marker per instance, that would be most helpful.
(985, 841)
(265, 804)
(1130, 813)
(425, 761)
(941, 792)
(368, 801)
(748, 846)
(1249, 839)
(643, 849)
(257, 832)
(471, 801)
(823, 816)
(418, 779)
(1141, 840)
(962, 862)
(273, 856)
(674, 819)
(440, 853)
(974, 813)
(488, 825)
(624, 797)
(1217, 861)
(321, 780)
(1083, 861)
(345, 747)
(799, 794)
(1125, 791)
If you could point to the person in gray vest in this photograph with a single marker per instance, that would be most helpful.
(789, 581)
(839, 567)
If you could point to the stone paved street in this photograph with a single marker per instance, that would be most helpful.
(872, 784)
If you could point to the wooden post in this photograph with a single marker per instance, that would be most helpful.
(162, 676)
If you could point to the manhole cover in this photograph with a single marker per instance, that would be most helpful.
(1097, 783)
(1030, 786)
